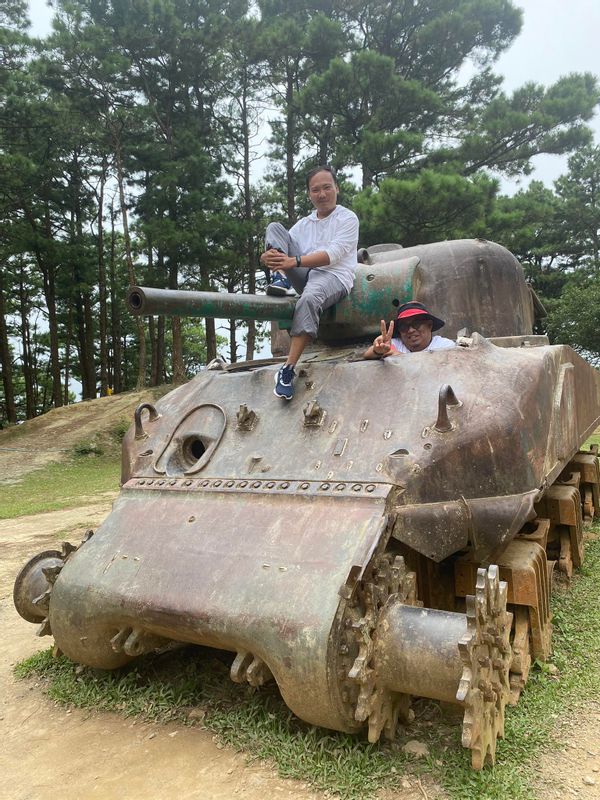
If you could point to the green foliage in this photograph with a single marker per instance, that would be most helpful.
(426, 208)
(510, 130)
(88, 449)
(580, 207)
(119, 430)
(575, 317)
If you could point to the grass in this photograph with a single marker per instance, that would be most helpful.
(76, 481)
(166, 687)
(548, 697)
(594, 439)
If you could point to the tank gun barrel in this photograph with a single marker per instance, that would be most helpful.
(144, 300)
(461, 280)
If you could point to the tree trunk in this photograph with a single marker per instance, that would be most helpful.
(47, 269)
(6, 360)
(69, 335)
(30, 404)
(232, 341)
(290, 129)
(160, 327)
(209, 324)
(153, 349)
(248, 211)
(160, 351)
(102, 316)
(178, 366)
(115, 320)
(83, 302)
(141, 375)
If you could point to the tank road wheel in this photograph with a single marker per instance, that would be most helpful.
(485, 650)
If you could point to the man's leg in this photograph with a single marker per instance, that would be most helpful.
(322, 290)
(281, 283)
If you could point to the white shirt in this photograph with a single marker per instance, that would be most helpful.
(337, 235)
(436, 343)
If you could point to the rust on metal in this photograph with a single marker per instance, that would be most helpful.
(375, 539)
(137, 417)
(446, 398)
(562, 505)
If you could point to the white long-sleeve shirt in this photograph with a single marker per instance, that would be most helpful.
(337, 235)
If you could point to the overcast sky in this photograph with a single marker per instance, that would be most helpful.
(558, 37)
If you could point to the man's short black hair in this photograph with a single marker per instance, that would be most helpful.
(323, 168)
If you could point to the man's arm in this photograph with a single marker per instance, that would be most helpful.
(273, 259)
(345, 240)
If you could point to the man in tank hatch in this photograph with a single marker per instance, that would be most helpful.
(411, 332)
(317, 257)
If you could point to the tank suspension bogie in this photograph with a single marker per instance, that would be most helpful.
(250, 668)
(521, 652)
(561, 505)
(524, 567)
(554, 538)
(133, 641)
(583, 471)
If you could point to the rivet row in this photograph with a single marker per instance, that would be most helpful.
(218, 483)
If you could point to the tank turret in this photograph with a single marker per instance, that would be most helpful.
(479, 286)
(390, 533)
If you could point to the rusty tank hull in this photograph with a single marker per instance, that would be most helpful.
(390, 533)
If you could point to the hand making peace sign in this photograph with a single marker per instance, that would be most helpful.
(383, 344)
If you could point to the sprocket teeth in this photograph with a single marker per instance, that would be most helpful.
(381, 708)
(485, 650)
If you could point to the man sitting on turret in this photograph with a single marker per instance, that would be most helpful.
(411, 332)
(317, 256)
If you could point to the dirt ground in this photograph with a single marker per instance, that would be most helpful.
(49, 750)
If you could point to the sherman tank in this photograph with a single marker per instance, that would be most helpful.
(391, 533)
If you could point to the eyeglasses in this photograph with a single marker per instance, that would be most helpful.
(404, 327)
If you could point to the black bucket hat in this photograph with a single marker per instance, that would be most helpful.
(414, 309)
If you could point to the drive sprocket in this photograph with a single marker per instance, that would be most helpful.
(486, 653)
(382, 708)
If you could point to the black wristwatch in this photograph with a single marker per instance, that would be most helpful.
(298, 261)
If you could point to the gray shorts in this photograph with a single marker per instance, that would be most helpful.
(318, 289)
